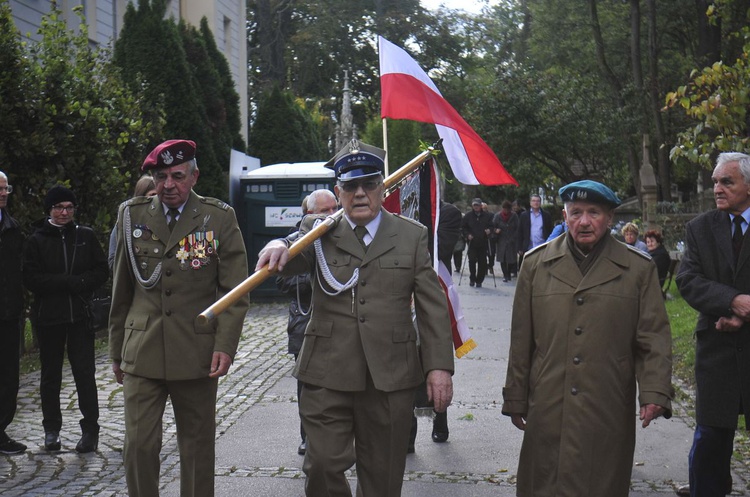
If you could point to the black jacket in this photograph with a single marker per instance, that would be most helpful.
(475, 224)
(62, 267)
(524, 228)
(11, 256)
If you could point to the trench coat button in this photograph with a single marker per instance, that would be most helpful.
(578, 330)
(395, 263)
(576, 360)
(574, 391)
(334, 261)
(579, 301)
(363, 283)
(168, 312)
(168, 293)
(362, 301)
(168, 272)
(361, 320)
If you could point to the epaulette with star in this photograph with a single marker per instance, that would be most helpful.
(637, 251)
(215, 202)
(137, 201)
(412, 221)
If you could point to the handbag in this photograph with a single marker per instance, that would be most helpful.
(97, 312)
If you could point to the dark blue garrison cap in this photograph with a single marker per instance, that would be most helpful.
(589, 191)
(357, 160)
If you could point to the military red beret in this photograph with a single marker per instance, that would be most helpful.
(170, 153)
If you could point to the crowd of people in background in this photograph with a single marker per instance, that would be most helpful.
(164, 255)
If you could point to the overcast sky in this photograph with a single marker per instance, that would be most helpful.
(474, 6)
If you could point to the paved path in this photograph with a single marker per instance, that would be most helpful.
(258, 431)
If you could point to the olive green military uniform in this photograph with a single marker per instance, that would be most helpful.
(162, 281)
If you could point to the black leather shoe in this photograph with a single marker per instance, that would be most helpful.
(302, 448)
(683, 490)
(52, 440)
(440, 430)
(89, 442)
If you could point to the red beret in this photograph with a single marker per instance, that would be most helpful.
(170, 153)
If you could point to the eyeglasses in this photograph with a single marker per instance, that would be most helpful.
(353, 186)
(67, 208)
(6, 189)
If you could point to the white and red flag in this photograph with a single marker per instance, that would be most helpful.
(408, 93)
(418, 198)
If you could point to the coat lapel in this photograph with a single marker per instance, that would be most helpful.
(722, 232)
(188, 222)
(384, 239)
(158, 224)
(562, 267)
(612, 261)
(346, 240)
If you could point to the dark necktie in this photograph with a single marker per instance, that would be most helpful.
(737, 236)
(361, 231)
(173, 215)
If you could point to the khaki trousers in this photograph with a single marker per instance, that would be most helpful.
(377, 422)
(194, 405)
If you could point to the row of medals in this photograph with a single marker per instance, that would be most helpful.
(195, 250)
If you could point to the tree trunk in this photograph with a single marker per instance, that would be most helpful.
(611, 78)
(662, 150)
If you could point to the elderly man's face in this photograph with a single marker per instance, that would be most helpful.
(587, 223)
(325, 204)
(3, 192)
(731, 192)
(361, 199)
(173, 184)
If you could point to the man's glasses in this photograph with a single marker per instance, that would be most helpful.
(60, 208)
(353, 186)
(6, 189)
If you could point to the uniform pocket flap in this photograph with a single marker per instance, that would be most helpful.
(395, 261)
(137, 321)
(340, 260)
(319, 328)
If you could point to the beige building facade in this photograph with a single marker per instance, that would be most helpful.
(227, 19)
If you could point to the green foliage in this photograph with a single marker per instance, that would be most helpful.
(682, 319)
(175, 66)
(717, 98)
(285, 131)
(72, 121)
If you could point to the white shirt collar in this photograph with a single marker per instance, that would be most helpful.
(372, 226)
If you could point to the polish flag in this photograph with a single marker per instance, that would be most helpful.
(408, 93)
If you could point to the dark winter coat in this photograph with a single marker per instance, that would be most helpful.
(709, 279)
(11, 256)
(299, 288)
(62, 267)
(507, 248)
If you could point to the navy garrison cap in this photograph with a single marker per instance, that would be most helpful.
(357, 160)
(589, 191)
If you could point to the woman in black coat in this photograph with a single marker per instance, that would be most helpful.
(658, 254)
(63, 264)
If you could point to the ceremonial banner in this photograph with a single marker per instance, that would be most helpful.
(462, 341)
(418, 198)
(408, 93)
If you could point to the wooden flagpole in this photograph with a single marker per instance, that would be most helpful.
(302, 243)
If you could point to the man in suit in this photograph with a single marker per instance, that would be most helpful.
(359, 361)
(534, 226)
(177, 253)
(714, 278)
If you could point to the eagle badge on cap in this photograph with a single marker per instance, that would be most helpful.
(166, 157)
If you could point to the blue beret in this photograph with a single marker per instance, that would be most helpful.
(589, 191)
(357, 160)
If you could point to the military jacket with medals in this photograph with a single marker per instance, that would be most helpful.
(163, 280)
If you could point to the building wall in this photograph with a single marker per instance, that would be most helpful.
(226, 19)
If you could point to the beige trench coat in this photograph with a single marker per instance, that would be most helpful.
(578, 346)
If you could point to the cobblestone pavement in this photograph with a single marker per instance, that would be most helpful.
(260, 364)
(260, 361)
